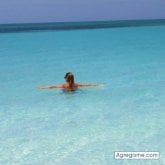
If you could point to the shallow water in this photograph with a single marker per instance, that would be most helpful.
(89, 125)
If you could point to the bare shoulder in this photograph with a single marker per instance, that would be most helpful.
(65, 86)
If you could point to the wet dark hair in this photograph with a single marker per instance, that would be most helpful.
(66, 75)
(70, 80)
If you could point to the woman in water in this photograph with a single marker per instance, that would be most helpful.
(70, 85)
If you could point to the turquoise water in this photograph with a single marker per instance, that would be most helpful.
(50, 127)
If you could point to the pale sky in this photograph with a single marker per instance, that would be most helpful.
(27, 11)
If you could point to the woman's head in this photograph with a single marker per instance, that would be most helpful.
(66, 75)
(69, 78)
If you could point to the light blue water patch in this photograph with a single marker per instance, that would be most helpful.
(89, 125)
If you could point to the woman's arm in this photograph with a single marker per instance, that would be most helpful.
(51, 86)
(88, 85)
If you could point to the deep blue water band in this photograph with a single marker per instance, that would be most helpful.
(7, 28)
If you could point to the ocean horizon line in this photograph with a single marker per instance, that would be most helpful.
(27, 27)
